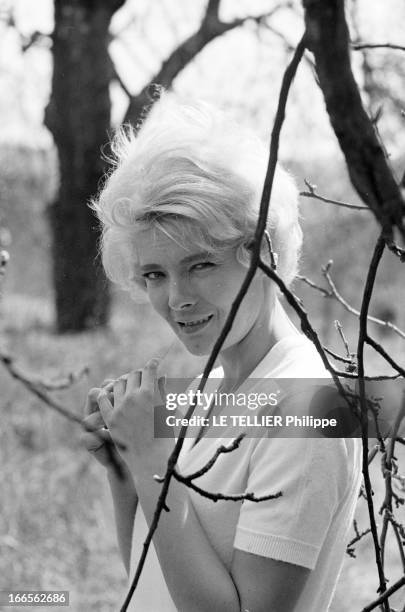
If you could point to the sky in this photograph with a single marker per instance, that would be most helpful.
(241, 70)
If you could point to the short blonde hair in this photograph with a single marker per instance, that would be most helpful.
(198, 175)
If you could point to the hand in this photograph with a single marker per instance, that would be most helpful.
(97, 439)
(129, 416)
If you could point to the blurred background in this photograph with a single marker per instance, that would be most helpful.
(71, 71)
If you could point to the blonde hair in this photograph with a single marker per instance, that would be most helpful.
(196, 174)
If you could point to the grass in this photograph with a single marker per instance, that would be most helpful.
(56, 525)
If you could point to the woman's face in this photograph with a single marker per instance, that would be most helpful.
(194, 290)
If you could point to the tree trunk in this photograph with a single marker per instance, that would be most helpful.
(78, 115)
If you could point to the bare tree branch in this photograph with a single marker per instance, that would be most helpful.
(381, 600)
(363, 320)
(357, 538)
(311, 193)
(386, 507)
(334, 293)
(40, 389)
(337, 357)
(115, 76)
(360, 46)
(370, 174)
(211, 27)
(37, 389)
(288, 46)
(221, 496)
(219, 451)
(213, 8)
(62, 382)
(377, 347)
(26, 41)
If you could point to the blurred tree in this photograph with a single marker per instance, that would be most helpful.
(78, 115)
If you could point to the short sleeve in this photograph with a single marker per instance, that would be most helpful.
(312, 476)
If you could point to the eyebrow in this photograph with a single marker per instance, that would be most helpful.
(186, 260)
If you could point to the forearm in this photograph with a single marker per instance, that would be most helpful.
(125, 501)
(197, 579)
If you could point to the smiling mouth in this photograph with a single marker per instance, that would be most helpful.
(191, 326)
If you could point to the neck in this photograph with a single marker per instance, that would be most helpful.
(239, 361)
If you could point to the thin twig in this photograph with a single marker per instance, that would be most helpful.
(377, 347)
(335, 294)
(357, 538)
(363, 319)
(40, 390)
(219, 451)
(311, 193)
(306, 326)
(387, 474)
(360, 46)
(64, 382)
(397, 250)
(311, 283)
(349, 308)
(339, 328)
(383, 599)
(221, 496)
(346, 360)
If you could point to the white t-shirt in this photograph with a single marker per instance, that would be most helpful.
(308, 525)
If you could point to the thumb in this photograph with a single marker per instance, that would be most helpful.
(106, 407)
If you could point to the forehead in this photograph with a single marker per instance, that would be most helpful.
(153, 245)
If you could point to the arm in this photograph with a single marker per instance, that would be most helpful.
(196, 577)
(267, 585)
(125, 501)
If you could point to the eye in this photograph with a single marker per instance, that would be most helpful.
(152, 276)
(204, 265)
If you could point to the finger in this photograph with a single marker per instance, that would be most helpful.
(134, 380)
(119, 389)
(94, 421)
(149, 375)
(93, 442)
(106, 407)
(91, 404)
(107, 381)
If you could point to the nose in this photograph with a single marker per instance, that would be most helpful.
(180, 294)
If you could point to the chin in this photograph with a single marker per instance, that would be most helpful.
(197, 350)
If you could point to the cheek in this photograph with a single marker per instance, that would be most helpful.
(253, 301)
(225, 290)
(157, 301)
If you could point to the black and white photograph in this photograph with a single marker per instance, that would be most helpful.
(202, 305)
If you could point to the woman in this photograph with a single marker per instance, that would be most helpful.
(178, 214)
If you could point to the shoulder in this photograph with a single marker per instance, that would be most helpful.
(294, 356)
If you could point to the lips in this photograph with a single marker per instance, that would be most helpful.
(195, 321)
(195, 324)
